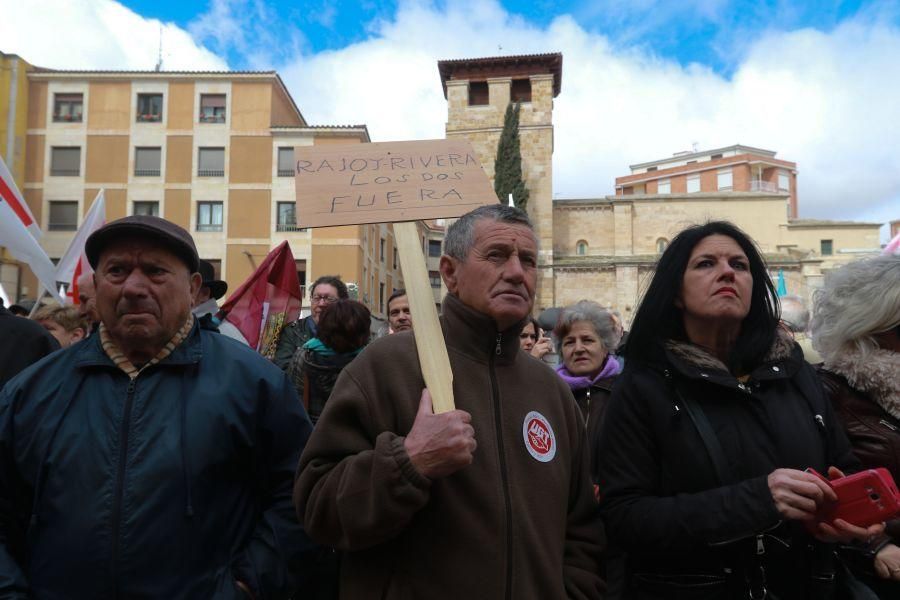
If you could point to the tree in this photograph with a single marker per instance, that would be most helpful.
(508, 164)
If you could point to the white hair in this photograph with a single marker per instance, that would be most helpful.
(858, 300)
(591, 312)
(794, 313)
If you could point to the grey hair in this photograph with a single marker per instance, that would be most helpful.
(794, 313)
(858, 300)
(599, 317)
(461, 235)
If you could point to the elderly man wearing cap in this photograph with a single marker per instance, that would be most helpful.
(156, 459)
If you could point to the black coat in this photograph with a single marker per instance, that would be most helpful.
(660, 497)
(22, 342)
(171, 485)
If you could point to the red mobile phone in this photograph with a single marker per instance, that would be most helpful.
(864, 498)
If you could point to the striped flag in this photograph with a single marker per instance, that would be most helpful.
(74, 263)
(19, 232)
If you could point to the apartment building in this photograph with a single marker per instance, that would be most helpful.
(733, 169)
(210, 151)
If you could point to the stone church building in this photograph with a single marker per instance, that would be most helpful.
(605, 248)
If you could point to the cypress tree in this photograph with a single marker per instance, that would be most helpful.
(508, 164)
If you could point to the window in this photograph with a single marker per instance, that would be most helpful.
(150, 209)
(435, 278)
(724, 179)
(67, 108)
(211, 162)
(434, 248)
(286, 162)
(149, 108)
(147, 161)
(380, 297)
(581, 248)
(784, 181)
(478, 93)
(693, 184)
(63, 216)
(381, 252)
(520, 90)
(209, 216)
(715, 156)
(301, 275)
(650, 169)
(65, 162)
(396, 260)
(661, 245)
(212, 108)
(827, 247)
(287, 217)
(664, 186)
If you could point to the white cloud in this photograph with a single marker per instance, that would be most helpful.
(824, 100)
(100, 34)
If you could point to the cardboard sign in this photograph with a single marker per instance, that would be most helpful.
(388, 182)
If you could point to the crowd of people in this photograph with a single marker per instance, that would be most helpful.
(146, 451)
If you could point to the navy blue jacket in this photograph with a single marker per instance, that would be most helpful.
(173, 485)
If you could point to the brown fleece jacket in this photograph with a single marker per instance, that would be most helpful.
(507, 526)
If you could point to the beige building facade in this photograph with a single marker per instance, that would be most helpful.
(212, 152)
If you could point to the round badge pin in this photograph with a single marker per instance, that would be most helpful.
(540, 441)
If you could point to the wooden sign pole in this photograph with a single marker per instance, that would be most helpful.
(430, 346)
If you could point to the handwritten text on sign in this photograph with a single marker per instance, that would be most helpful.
(388, 182)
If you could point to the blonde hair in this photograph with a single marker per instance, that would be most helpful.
(65, 316)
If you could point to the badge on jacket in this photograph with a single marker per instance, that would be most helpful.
(540, 441)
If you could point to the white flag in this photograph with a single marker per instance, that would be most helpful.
(19, 232)
(74, 263)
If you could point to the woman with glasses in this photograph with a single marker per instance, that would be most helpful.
(326, 290)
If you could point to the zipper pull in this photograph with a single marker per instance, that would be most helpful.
(821, 422)
(498, 349)
(888, 425)
(760, 547)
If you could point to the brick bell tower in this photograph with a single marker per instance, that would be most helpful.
(477, 92)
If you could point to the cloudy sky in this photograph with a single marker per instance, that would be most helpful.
(817, 81)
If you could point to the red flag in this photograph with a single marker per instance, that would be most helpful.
(74, 262)
(267, 301)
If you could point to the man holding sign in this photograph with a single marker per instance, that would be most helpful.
(491, 500)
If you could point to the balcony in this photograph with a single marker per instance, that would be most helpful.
(210, 173)
(146, 173)
(209, 227)
(288, 227)
(764, 186)
(285, 172)
(64, 172)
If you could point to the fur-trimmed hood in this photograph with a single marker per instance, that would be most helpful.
(782, 348)
(876, 373)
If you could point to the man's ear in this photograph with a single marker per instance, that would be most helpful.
(77, 334)
(196, 282)
(449, 267)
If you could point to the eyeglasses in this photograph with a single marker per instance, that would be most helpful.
(324, 299)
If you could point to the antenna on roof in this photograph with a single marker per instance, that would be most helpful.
(159, 54)
(694, 146)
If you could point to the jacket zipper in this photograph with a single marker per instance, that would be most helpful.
(120, 483)
(888, 425)
(504, 476)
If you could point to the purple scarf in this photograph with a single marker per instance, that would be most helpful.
(611, 367)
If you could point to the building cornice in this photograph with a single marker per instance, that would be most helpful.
(689, 155)
(493, 67)
(699, 167)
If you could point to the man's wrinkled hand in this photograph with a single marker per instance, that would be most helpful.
(887, 562)
(439, 445)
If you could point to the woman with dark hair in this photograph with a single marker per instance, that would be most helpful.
(711, 425)
(343, 331)
(856, 330)
(532, 340)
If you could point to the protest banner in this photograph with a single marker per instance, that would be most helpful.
(399, 183)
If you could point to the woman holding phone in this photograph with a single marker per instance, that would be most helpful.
(711, 425)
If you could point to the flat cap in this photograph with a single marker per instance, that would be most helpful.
(170, 235)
